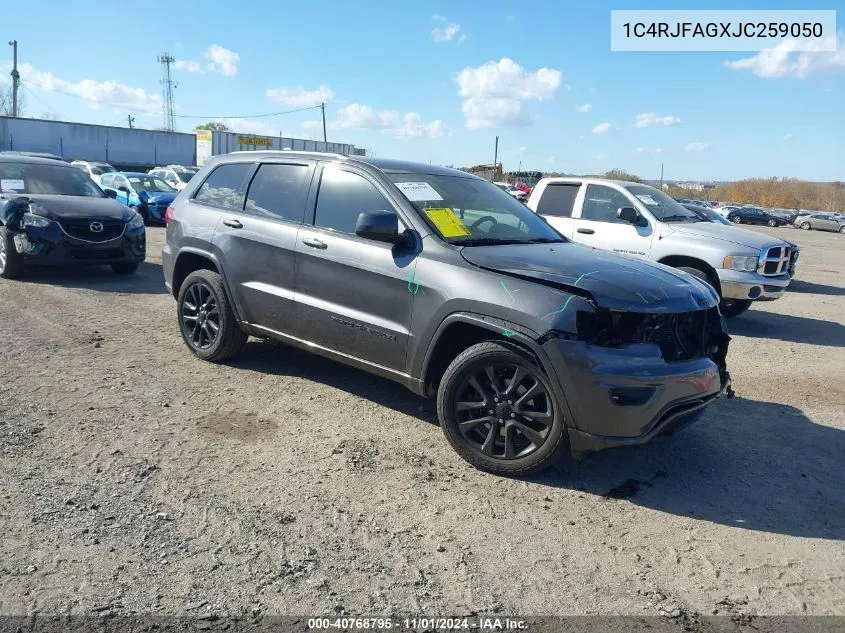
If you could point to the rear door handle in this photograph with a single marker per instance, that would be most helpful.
(235, 224)
(586, 231)
(314, 243)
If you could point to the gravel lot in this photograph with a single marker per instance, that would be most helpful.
(136, 479)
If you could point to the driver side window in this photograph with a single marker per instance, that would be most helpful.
(342, 196)
(601, 204)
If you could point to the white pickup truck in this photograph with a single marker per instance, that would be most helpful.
(639, 221)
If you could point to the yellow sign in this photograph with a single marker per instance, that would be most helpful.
(255, 140)
(204, 135)
(447, 222)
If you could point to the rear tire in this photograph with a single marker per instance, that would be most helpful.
(206, 319)
(125, 268)
(525, 432)
(11, 262)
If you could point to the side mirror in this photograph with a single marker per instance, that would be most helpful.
(382, 226)
(630, 215)
(111, 193)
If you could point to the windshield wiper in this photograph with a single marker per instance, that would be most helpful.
(489, 241)
(547, 240)
(681, 218)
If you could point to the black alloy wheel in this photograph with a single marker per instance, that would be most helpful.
(498, 411)
(206, 319)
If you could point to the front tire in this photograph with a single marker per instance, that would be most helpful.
(11, 262)
(206, 319)
(773, 223)
(498, 411)
(805, 226)
(736, 219)
(842, 229)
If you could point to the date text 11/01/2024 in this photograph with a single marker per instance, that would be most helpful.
(723, 29)
(358, 624)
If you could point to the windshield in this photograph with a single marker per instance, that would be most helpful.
(150, 183)
(469, 211)
(47, 179)
(662, 206)
(100, 169)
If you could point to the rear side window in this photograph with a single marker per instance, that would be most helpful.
(224, 188)
(278, 192)
(601, 204)
(343, 195)
(558, 200)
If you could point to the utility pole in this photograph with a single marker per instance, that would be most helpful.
(661, 176)
(167, 86)
(16, 77)
(495, 158)
(131, 120)
(323, 110)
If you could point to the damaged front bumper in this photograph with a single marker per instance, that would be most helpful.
(622, 390)
(54, 245)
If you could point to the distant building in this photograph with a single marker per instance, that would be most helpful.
(695, 186)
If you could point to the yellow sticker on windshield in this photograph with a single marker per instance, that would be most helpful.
(447, 222)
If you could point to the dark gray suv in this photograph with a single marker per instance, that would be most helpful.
(439, 280)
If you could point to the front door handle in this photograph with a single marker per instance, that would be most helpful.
(586, 231)
(314, 243)
(235, 224)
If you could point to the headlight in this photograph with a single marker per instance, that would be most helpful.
(30, 219)
(741, 262)
(136, 222)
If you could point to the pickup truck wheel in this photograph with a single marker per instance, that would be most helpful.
(11, 263)
(734, 307)
(498, 411)
(206, 319)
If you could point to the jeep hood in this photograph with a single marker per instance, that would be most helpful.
(721, 232)
(610, 281)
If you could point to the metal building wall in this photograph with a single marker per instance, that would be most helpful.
(79, 141)
(225, 142)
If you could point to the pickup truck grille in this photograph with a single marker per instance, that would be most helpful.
(777, 261)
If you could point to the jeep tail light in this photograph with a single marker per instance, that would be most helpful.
(168, 215)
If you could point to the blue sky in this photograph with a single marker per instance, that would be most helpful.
(437, 81)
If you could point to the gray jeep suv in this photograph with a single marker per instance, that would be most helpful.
(439, 280)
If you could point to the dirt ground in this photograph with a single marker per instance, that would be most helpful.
(135, 479)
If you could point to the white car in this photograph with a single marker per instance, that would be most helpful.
(516, 193)
(94, 169)
(176, 178)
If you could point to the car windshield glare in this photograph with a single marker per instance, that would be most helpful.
(662, 207)
(470, 211)
(32, 178)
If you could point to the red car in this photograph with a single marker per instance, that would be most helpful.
(522, 186)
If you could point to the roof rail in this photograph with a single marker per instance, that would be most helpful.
(287, 149)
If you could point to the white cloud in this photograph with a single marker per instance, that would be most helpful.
(388, 122)
(601, 128)
(647, 150)
(788, 137)
(584, 108)
(299, 96)
(248, 126)
(494, 92)
(462, 39)
(784, 61)
(697, 147)
(650, 118)
(95, 93)
(220, 60)
(446, 32)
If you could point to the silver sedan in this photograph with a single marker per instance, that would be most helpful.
(821, 222)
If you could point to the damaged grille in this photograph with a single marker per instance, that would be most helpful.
(87, 229)
(681, 336)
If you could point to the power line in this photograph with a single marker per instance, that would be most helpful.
(178, 116)
(247, 116)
